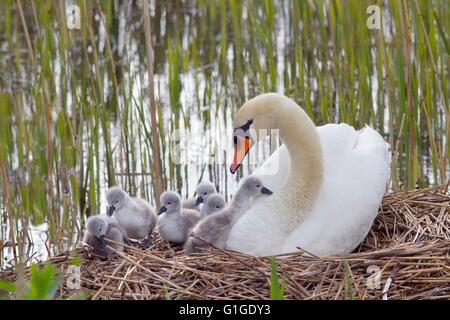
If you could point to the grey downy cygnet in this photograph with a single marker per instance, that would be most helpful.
(135, 215)
(216, 227)
(214, 203)
(174, 222)
(101, 227)
(203, 191)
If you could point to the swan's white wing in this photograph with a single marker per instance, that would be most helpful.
(356, 170)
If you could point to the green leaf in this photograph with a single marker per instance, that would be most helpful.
(347, 279)
(75, 261)
(43, 283)
(8, 286)
(276, 290)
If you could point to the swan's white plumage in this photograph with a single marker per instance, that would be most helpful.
(356, 169)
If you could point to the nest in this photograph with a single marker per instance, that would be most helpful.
(405, 256)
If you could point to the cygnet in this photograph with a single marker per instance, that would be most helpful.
(175, 223)
(216, 227)
(203, 191)
(214, 203)
(135, 215)
(101, 227)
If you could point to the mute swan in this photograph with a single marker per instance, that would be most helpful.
(327, 187)
(214, 203)
(102, 227)
(135, 215)
(203, 190)
(174, 222)
(215, 227)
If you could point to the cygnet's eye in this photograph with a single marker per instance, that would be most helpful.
(117, 201)
(205, 193)
(169, 202)
(257, 185)
(217, 207)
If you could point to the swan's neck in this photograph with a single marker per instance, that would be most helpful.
(129, 202)
(176, 214)
(203, 210)
(305, 176)
(238, 205)
(299, 134)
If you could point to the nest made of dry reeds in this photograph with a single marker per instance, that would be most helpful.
(405, 256)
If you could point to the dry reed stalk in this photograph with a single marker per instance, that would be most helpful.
(27, 35)
(152, 107)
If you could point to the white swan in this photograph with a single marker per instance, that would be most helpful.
(327, 189)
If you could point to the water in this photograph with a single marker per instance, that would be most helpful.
(223, 60)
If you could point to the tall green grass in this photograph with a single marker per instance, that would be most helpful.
(74, 103)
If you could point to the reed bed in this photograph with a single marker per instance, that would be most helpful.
(408, 245)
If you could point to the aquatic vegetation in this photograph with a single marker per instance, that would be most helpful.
(42, 284)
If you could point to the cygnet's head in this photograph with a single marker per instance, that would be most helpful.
(116, 198)
(170, 202)
(253, 186)
(98, 227)
(214, 203)
(204, 190)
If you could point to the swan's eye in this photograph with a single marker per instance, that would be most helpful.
(235, 140)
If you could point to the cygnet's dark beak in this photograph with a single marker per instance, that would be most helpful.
(162, 210)
(111, 210)
(198, 200)
(266, 191)
(101, 238)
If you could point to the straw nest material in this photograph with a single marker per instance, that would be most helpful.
(405, 256)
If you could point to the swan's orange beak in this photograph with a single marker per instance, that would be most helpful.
(241, 147)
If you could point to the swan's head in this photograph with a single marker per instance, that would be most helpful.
(98, 227)
(116, 199)
(215, 203)
(252, 186)
(204, 190)
(253, 121)
(170, 202)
